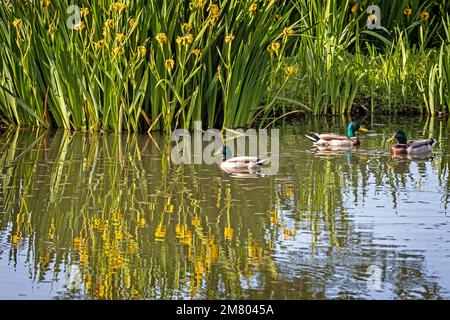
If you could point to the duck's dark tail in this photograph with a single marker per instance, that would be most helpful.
(313, 137)
(433, 142)
(261, 162)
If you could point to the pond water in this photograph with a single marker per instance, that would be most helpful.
(107, 216)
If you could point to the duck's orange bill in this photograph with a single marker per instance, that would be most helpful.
(391, 138)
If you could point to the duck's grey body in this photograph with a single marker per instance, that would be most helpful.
(418, 147)
(240, 165)
(332, 140)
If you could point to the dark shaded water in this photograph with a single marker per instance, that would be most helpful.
(109, 216)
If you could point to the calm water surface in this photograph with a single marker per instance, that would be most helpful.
(110, 217)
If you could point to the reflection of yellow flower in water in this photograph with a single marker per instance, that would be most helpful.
(168, 207)
(289, 190)
(196, 221)
(287, 234)
(118, 234)
(274, 217)
(251, 249)
(179, 229)
(51, 231)
(255, 253)
(77, 243)
(16, 239)
(212, 252)
(100, 291)
(133, 246)
(84, 254)
(407, 11)
(199, 268)
(118, 216)
(160, 233)
(182, 233)
(187, 238)
(142, 222)
(425, 16)
(228, 233)
(105, 236)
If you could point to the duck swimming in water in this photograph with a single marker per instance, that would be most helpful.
(419, 148)
(334, 139)
(239, 165)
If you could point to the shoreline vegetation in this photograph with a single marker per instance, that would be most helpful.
(159, 65)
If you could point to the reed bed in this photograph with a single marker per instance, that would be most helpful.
(133, 65)
(343, 65)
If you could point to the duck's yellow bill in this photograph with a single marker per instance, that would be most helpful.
(217, 152)
(391, 138)
(362, 129)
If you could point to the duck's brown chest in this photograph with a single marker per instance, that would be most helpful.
(398, 150)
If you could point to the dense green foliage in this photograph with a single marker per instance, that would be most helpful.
(162, 64)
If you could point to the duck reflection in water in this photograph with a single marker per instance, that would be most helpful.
(402, 164)
(333, 150)
(413, 158)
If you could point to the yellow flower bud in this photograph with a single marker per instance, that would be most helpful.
(229, 38)
(141, 51)
(161, 37)
(169, 64)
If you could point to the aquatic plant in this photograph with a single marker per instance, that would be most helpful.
(132, 65)
(136, 66)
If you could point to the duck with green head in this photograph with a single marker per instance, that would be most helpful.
(241, 164)
(334, 139)
(411, 147)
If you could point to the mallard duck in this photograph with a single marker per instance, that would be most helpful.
(239, 165)
(412, 147)
(334, 139)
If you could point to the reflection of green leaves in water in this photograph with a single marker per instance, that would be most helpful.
(115, 208)
(133, 225)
